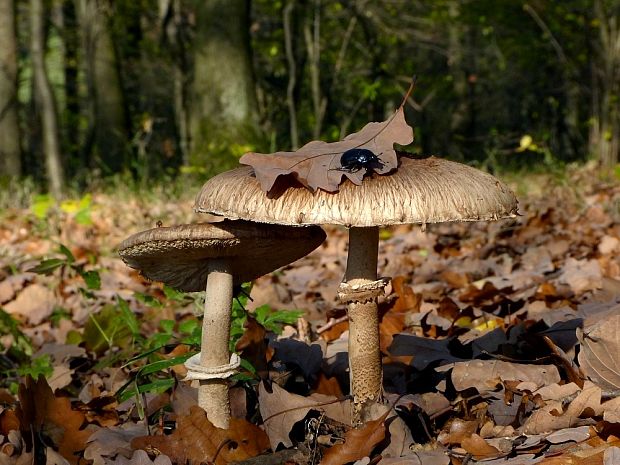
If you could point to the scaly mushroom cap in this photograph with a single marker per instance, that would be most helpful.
(177, 255)
(429, 190)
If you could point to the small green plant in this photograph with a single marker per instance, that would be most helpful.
(17, 360)
(272, 320)
(91, 278)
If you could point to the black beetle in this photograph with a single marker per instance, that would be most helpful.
(354, 160)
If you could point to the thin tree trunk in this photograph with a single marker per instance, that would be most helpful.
(605, 134)
(287, 14)
(224, 108)
(46, 100)
(312, 34)
(71, 44)
(570, 115)
(174, 24)
(10, 153)
(456, 35)
(108, 107)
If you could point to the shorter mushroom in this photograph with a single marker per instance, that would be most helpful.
(221, 255)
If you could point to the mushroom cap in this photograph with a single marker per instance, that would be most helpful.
(429, 190)
(178, 255)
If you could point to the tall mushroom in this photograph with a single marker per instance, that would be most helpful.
(420, 191)
(221, 255)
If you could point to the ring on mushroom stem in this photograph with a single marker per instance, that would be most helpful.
(420, 191)
(217, 256)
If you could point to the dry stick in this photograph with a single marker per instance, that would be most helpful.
(331, 323)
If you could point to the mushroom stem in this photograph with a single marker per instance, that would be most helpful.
(213, 393)
(364, 355)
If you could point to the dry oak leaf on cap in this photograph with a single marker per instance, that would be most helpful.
(197, 441)
(315, 164)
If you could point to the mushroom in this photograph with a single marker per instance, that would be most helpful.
(221, 255)
(420, 191)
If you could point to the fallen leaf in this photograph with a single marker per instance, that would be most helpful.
(315, 165)
(549, 418)
(611, 410)
(35, 303)
(13, 284)
(435, 457)
(582, 275)
(479, 448)
(599, 357)
(253, 346)
(459, 430)
(425, 351)
(485, 374)
(611, 456)
(578, 434)
(504, 414)
(358, 443)
(106, 443)
(327, 386)
(280, 410)
(557, 391)
(140, 457)
(196, 441)
(40, 412)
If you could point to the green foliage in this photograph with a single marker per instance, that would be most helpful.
(274, 320)
(38, 366)
(20, 349)
(17, 360)
(80, 209)
(68, 264)
(110, 327)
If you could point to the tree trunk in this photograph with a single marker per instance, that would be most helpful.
(456, 63)
(224, 108)
(10, 154)
(46, 100)
(605, 122)
(71, 116)
(174, 23)
(108, 107)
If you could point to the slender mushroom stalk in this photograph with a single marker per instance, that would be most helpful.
(213, 393)
(364, 356)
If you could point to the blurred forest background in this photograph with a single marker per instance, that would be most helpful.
(146, 91)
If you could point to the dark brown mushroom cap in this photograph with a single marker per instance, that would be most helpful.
(429, 190)
(178, 255)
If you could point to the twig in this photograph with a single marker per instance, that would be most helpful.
(331, 323)
(556, 45)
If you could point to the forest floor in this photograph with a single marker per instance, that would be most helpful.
(500, 343)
